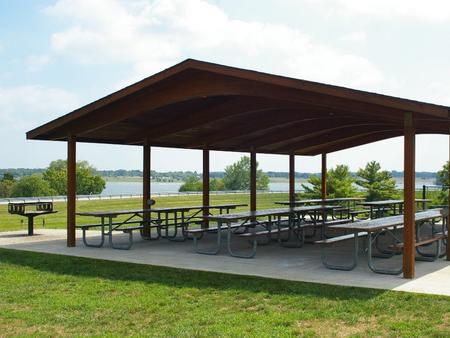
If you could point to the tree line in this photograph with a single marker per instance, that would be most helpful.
(182, 176)
(52, 181)
(375, 183)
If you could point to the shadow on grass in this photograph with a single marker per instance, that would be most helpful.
(180, 278)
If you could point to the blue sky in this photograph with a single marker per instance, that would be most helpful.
(58, 55)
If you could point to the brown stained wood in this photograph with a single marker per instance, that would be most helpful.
(300, 129)
(146, 168)
(347, 142)
(71, 190)
(324, 176)
(201, 117)
(206, 167)
(336, 91)
(272, 120)
(327, 135)
(448, 217)
(195, 80)
(363, 101)
(252, 181)
(409, 231)
(291, 177)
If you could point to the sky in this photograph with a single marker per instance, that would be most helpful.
(56, 56)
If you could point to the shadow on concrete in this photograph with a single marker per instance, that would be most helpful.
(17, 235)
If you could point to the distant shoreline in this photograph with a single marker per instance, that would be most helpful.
(426, 181)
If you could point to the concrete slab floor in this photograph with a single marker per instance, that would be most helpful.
(298, 264)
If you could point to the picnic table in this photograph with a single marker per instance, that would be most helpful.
(321, 201)
(373, 228)
(136, 219)
(178, 217)
(38, 208)
(347, 204)
(233, 222)
(378, 208)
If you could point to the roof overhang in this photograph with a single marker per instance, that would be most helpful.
(200, 105)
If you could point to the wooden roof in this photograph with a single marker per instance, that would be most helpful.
(200, 105)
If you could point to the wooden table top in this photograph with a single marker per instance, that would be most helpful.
(112, 213)
(390, 202)
(269, 212)
(319, 200)
(199, 207)
(372, 225)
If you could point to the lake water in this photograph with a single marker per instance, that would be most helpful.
(135, 188)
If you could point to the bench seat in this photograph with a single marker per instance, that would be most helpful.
(264, 232)
(437, 237)
(88, 226)
(339, 238)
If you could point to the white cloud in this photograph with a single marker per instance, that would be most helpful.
(25, 107)
(392, 9)
(354, 37)
(36, 62)
(152, 35)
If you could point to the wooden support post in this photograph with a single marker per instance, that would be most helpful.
(146, 181)
(292, 178)
(448, 217)
(324, 176)
(71, 189)
(205, 182)
(252, 181)
(409, 230)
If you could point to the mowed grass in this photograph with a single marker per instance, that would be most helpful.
(58, 221)
(51, 295)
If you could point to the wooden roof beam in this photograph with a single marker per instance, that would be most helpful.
(331, 135)
(278, 118)
(349, 142)
(303, 131)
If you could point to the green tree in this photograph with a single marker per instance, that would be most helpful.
(339, 184)
(192, 183)
(32, 186)
(378, 183)
(442, 176)
(237, 176)
(87, 181)
(7, 184)
(442, 179)
(7, 176)
(216, 184)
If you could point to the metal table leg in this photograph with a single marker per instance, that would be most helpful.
(342, 267)
(219, 242)
(370, 260)
(230, 251)
(102, 236)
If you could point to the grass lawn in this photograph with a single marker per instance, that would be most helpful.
(50, 295)
(58, 220)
